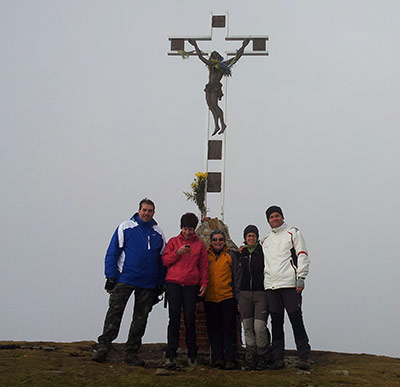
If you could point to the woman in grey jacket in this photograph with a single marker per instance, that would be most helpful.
(249, 289)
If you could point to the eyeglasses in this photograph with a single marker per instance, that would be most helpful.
(217, 240)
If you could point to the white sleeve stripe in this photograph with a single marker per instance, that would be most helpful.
(122, 227)
(158, 230)
(121, 261)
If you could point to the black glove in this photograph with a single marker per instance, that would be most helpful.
(110, 284)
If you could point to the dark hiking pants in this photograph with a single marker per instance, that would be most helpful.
(117, 303)
(221, 327)
(181, 297)
(278, 301)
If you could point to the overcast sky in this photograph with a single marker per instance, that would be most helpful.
(94, 116)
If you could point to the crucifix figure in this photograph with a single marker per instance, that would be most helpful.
(218, 66)
(217, 69)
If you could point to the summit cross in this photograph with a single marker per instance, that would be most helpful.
(219, 68)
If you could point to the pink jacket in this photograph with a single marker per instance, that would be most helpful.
(186, 269)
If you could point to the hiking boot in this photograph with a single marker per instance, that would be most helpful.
(133, 360)
(261, 364)
(100, 356)
(251, 364)
(303, 364)
(219, 363)
(277, 365)
(170, 363)
(192, 362)
(230, 365)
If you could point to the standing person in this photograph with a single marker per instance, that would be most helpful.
(133, 264)
(185, 256)
(220, 304)
(286, 267)
(249, 289)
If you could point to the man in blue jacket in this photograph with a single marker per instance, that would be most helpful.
(133, 264)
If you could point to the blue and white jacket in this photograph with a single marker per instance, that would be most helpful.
(134, 254)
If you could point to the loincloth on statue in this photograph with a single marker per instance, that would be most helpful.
(215, 88)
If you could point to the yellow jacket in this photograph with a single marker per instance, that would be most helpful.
(219, 276)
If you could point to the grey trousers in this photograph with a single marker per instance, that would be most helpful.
(254, 312)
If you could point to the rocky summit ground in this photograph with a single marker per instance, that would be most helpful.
(70, 364)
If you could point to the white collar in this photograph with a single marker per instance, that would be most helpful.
(282, 227)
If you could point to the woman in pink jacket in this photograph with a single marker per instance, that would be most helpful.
(185, 257)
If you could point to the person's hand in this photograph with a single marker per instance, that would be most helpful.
(183, 250)
(299, 290)
(110, 285)
(300, 284)
(158, 295)
(202, 291)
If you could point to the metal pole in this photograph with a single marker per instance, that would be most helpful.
(224, 151)
(207, 133)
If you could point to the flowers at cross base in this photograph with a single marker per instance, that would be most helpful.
(198, 193)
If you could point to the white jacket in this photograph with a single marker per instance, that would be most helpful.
(279, 268)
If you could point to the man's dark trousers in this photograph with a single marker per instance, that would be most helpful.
(278, 301)
(118, 300)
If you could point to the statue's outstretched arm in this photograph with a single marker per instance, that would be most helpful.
(198, 52)
(239, 53)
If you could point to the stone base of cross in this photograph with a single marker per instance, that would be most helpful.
(216, 148)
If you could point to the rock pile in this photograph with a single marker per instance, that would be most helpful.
(208, 226)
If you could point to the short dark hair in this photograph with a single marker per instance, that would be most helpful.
(146, 201)
(189, 220)
(216, 232)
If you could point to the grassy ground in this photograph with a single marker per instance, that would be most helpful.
(70, 365)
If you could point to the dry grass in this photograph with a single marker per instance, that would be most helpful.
(70, 365)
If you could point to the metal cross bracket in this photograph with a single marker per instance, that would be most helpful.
(259, 43)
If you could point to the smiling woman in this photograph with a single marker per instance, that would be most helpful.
(249, 290)
(186, 259)
(219, 303)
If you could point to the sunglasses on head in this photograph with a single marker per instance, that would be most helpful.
(217, 239)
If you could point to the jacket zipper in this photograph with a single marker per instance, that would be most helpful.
(251, 277)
